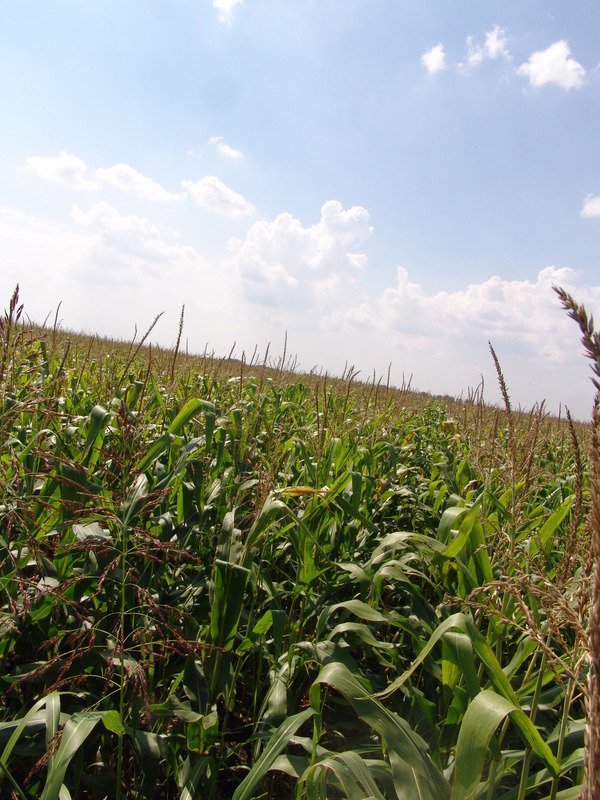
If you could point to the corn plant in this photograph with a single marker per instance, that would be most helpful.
(220, 579)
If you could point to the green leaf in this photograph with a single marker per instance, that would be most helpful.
(450, 521)
(351, 773)
(135, 497)
(406, 748)
(74, 734)
(363, 632)
(112, 722)
(464, 532)
(188, 411)
(357, 767)
(457, 651)
(261, 627)
(23, 723)
(356, 607)
(148, 748)
(271, 510)
(52, 722)
(98, 420)
(482, 718)
(550, 526)
(279, 739)
(228, 596)
(175, 708)
(190, 790)
(499, 680)
(157, 448)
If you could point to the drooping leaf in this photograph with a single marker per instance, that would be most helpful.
(280, 738)
(406, 748)
(483, 716)
(75, 732)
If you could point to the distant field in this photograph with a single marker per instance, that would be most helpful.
(223, 579)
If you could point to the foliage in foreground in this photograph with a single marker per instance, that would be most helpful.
(265, 585)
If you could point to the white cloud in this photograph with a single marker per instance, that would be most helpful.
(212, 194)
(225, 9)
(224, 149)
(495, 45)
(434, 60)
(441, 338)
(591, 206)
(130, 181)
(283, 263)
(475, 53)
(36, 251)
(495, 309)
(116, 229)
(553, 65)
(128, 249)
(65, 169)
(113, 270)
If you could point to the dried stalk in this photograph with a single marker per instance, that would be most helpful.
(591, 341)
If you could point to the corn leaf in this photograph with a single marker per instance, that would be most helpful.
(75, 732)
(278, 741)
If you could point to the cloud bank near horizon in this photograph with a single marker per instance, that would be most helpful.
(311, 281)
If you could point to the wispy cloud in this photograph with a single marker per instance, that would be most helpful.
(591, 206)
(224, 149)
(65, 169)
(553, 65)
(225, 9)
(434, 60)
(495, 45)
(212, 194)
(132, 182)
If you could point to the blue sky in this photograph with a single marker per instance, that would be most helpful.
(387, 181)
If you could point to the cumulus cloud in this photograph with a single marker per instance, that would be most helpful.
(132, 182)
(434, 60)
(282, 262)
(553, 65)
(127, 248)
(495, 45)
(591, 206)
(495, 309)
(212, 194)
(65, 169)
(441, 337)
(224, 149)
(113, 270)
(225, 9)
(519, 311)
(110, 271)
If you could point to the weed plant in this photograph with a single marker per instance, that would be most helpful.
(224, 579)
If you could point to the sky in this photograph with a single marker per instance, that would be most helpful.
(393, 184)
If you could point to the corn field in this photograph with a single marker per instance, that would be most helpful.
(228, 580)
